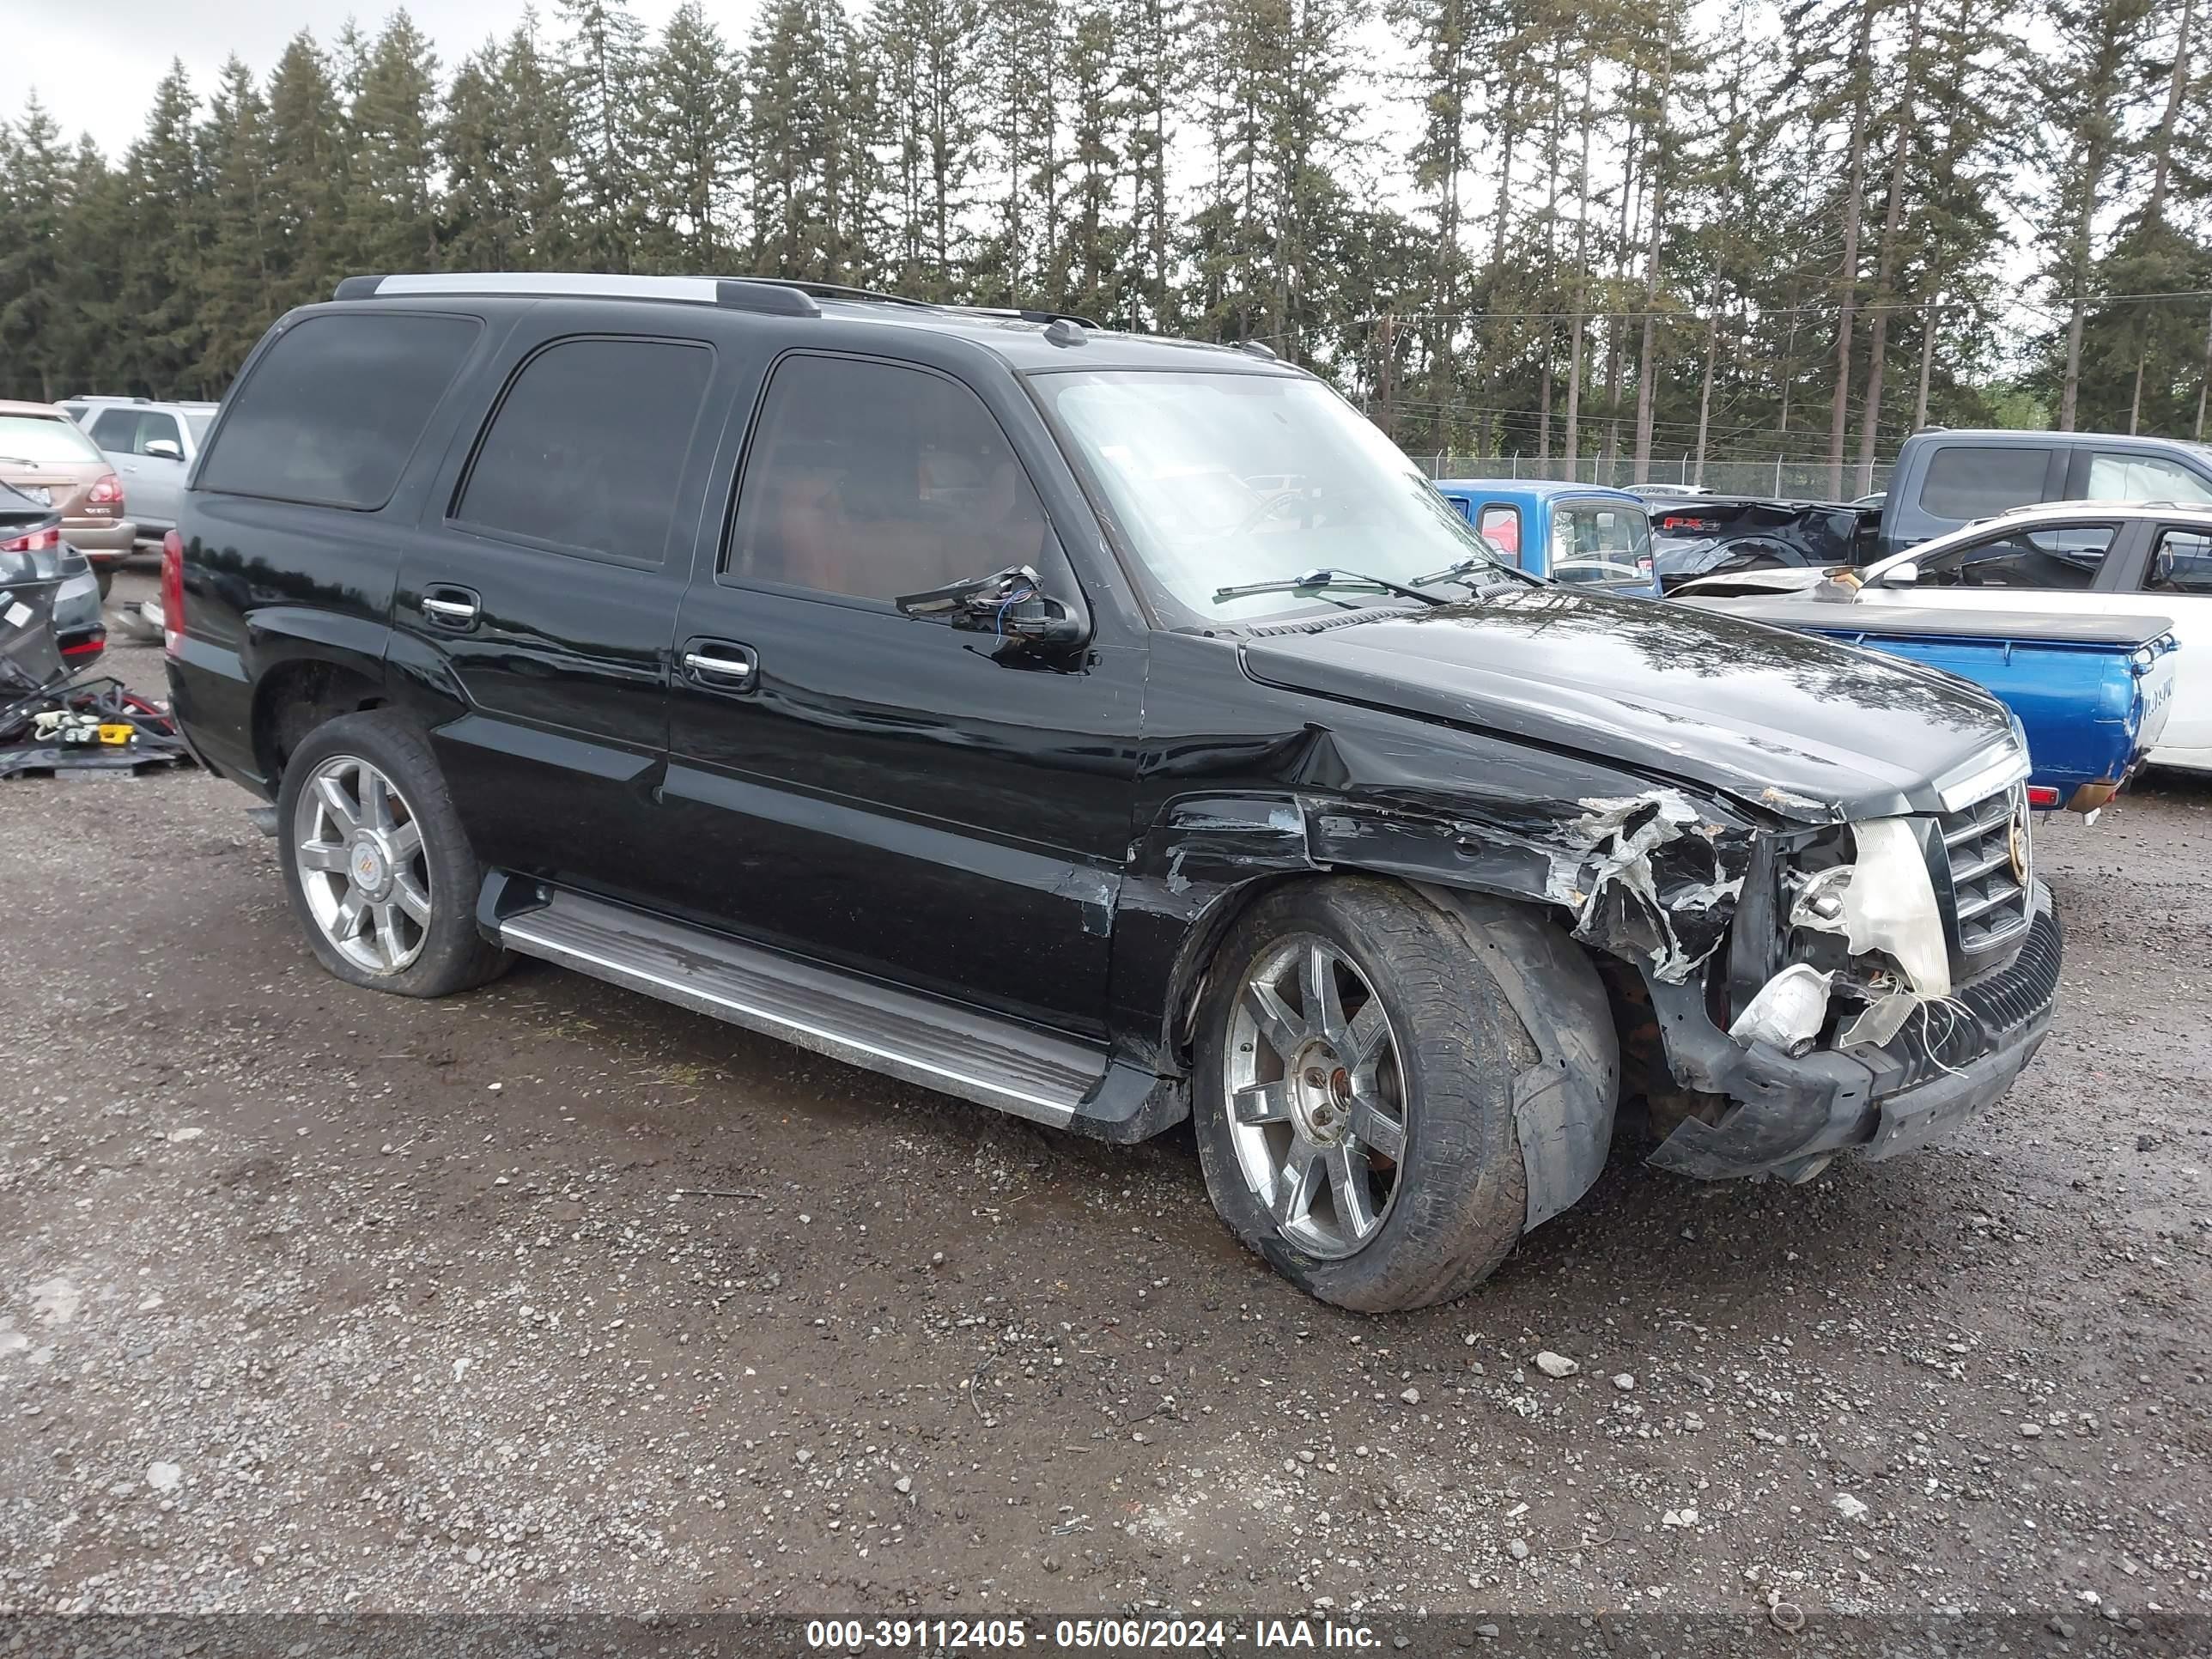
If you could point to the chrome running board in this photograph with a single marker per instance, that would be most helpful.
(939, 1045)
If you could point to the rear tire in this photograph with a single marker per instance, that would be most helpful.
(1377, 1166)
(379, 871)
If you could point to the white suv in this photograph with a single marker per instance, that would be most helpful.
(153, 447)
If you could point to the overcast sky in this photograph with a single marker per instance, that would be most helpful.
(94, 63)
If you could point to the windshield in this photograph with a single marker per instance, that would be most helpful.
(45, 440)
(1220, 480)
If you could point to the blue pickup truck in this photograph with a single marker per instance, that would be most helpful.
(1570, 532)
(2091, 693)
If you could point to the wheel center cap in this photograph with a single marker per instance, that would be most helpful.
(370, 869)
(1321, 1094)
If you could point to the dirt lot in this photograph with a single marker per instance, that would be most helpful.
(549, 1298)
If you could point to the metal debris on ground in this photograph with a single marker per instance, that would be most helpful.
(49, 723)
(91, 725)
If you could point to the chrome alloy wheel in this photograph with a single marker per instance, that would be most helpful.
(1316, 1096)
(362, 865)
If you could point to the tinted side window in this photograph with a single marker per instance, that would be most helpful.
(115, 429)
(874, 480)
(2181, 562)
(336, 405)
(1972, 481)
(2121, 478)
(587, 448)
(2065, 557)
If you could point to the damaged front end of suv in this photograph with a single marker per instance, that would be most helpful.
(1869, 983)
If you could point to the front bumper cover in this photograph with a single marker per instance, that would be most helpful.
(1937, 1074)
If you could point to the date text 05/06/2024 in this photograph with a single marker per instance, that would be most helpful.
(1109, 1634)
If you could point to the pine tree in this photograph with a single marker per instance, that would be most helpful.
(600, 80)
(2138, 355)
(161, 267)
(1152, 45)
(1022, 64)
(478, 227)
(929, 70)
(691, 90)
(2089, 90)
(391, 216)
(1446, 84)
(238, 289)
(35, 302)
(1087, 276)
(308, 154)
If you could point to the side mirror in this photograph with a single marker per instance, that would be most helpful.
(1011, 603)
(1901, 576)
(164, 449)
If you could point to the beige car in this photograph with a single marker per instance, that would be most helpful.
(47, 456)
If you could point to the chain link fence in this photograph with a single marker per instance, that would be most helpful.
(1788, 480)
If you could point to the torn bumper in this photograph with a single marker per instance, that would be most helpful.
(1933, 1078)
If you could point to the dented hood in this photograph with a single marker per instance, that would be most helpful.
(1809, 730)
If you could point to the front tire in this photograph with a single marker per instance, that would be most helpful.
(1354, 1096)
(379, 869)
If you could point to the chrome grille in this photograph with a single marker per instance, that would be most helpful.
(1988, 897)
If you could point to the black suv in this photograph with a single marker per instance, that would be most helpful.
(1105, 729)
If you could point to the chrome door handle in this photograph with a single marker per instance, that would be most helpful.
(451, 611)
(728, 668)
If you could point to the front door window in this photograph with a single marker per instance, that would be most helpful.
(2050, 557)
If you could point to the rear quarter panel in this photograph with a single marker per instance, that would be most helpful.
(266, 583)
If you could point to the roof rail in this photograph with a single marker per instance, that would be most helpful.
(1026, 314)
(731, 293)
(841, 291)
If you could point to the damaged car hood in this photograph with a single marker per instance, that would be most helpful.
(1806, 729)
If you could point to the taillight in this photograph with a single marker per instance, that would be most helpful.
(108, 492)
(38, 541)
(172, 592)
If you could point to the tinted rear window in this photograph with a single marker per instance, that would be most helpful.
(1972, 481)
(335, 406)
(587, 447)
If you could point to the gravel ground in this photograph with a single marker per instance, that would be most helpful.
(552, 1298)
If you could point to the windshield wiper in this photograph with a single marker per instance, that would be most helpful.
(1314, 580)
(1468, 567)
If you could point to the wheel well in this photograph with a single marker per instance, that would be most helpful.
(296, 697)
(1195, 961)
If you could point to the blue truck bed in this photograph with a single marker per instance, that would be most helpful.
(2091, 692)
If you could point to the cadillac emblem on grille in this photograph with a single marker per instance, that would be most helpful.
(2017, 844)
